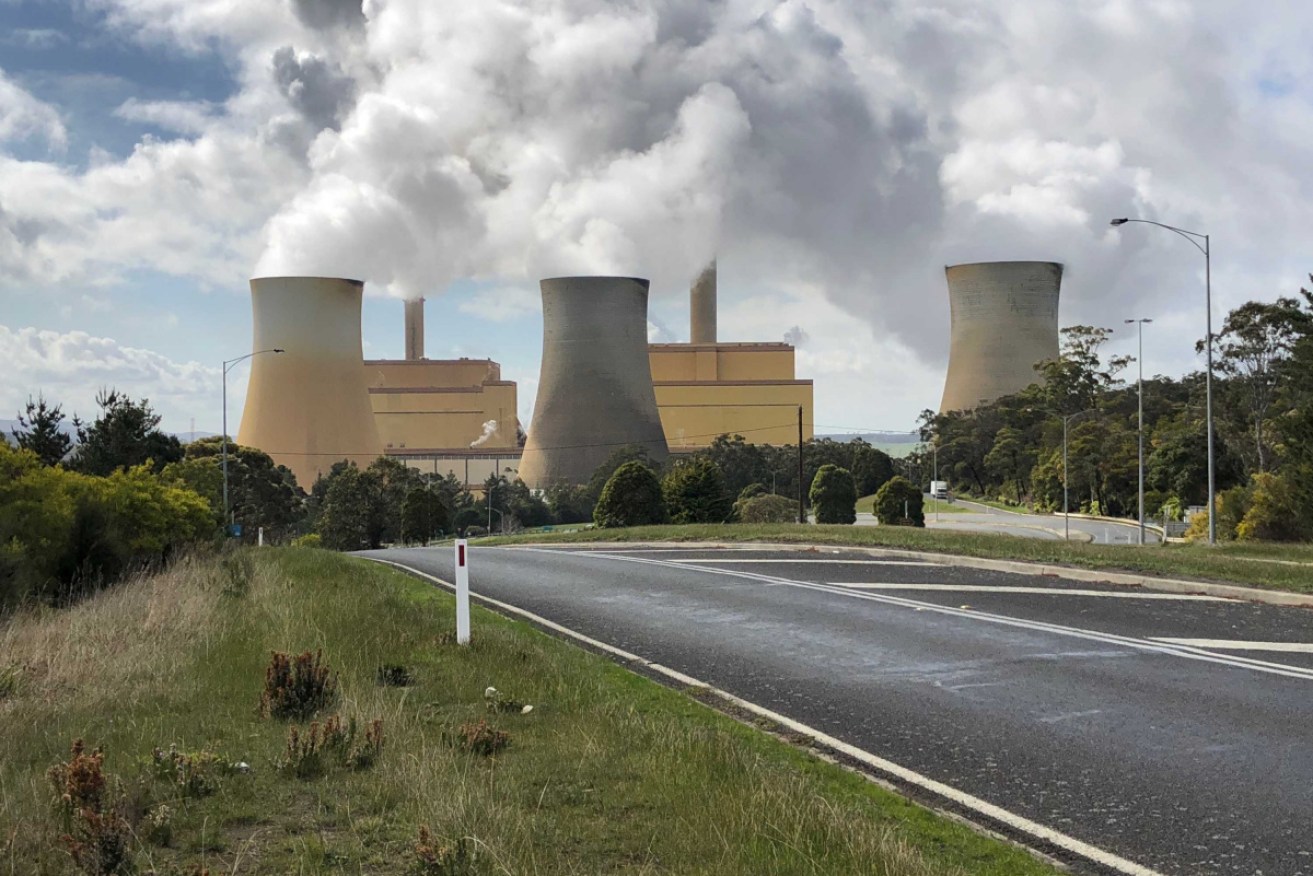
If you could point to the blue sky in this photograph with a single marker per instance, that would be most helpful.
(835, 155)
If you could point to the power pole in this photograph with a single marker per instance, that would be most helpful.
(802, 503)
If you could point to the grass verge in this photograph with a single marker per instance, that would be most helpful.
(1270, 566)
(609, 773)
(867, 504)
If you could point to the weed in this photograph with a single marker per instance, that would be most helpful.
(237, 569)
(96, 835)
(432, 859)
(297, 687)
(479, 737)
(193, 774)
(332, 743)
(496, 701)
(157, 827)
(9, 679)
(394, 675)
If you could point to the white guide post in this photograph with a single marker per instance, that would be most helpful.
(259, 537)
(462, 592)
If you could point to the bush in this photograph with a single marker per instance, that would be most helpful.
(423, 516)
(899, 503)
(297, 687)
(694, 492)
(480, 737)
(768, 509)
(1231, 508)
(1273, 514)
(432, 859)
(632, 497)
(834, 495)
(335, 743)
(309, 540)
(96, 834)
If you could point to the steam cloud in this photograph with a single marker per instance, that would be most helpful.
(489, 429)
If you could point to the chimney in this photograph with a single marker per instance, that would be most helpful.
(702, 307)
(415, 328)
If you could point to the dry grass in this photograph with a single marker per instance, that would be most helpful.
(609, 773)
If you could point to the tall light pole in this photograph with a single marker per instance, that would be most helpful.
(227, 365)
(1194, 237)
(934, 496)
(1139, 388)
(1066, 506)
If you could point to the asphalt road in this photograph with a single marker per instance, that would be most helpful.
(1172, 731)
(983, 518)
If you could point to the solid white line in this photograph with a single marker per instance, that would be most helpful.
(808, 562)
(1183, 651)
(1019, 823)
(1042, 591)
(1233, 645)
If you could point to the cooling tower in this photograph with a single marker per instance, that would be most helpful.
(415, 329)
(309, 407)
(595, 388)
(1005, 320)
(702, 307)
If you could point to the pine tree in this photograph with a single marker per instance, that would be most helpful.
(41, 433)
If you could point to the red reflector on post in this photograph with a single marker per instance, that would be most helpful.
(461, 550)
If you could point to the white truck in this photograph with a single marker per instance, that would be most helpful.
(939, 489)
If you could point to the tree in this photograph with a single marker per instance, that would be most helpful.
(39, 430)
(620, 456)
(126, 434)
(870, 466)
(350, 500)
(631, 497)
(834, 495)
(1011, 459)
(1074, 381)
(740, 463)
(261, 494)
(569, 503)
(1255, 339)
(899, 503)
(694, 492)
(423, 516)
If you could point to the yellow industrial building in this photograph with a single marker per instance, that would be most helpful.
(459, 416)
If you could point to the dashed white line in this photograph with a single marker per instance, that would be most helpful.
(1040, 591)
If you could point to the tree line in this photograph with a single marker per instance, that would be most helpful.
(1012, 448)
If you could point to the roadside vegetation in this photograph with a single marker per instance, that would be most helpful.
(1279, 567)
(297, 711)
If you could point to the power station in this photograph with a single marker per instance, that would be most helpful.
(1004, 322)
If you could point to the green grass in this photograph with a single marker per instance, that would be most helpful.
(610, 772)
(867, 504)
(1001, 506)
(1250, 565)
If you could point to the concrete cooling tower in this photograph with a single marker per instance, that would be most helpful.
(309, 407)
(595, 390)
(1005, 320)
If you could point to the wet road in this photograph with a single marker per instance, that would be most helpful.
(1170, 730)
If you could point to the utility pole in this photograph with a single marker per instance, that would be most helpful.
(1139, 385)
(802, 502)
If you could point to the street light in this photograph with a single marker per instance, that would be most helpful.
(1066, 505)
(227, 365)
(1139, 386)
(1194, 237)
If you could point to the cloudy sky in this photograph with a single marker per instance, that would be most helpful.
(836, 154)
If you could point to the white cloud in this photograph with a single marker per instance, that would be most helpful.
(184, 117)
(24, 117)
(502, 303)
(70, 368)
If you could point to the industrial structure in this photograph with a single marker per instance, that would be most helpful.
(1004, 322)
(309, 407)
(595, 390)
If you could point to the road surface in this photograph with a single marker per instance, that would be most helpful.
(1172, 731)
(983, 518)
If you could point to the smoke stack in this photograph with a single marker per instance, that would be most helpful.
(415, 328)
(702, 307)
(1005, 321)
(595, 388)
(309, 406)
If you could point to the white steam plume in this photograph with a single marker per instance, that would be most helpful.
(489, 429)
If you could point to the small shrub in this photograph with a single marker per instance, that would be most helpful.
(194, 775)
(394, 675)
(768, 509)
(297, 687)
(332, 743)
(834, 495)
(899, 503)
(496, 701)
(631, 497)
(695, 492)
(157, 827)
(237, 569)
(479, 737)
(310, 540)
(96, 835)
(432, 859)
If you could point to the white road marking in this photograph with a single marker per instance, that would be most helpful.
(1067, 716)
(809, 562)
(1019, 823)
(1042, 591)
(1184, 651)
(1233, 645)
